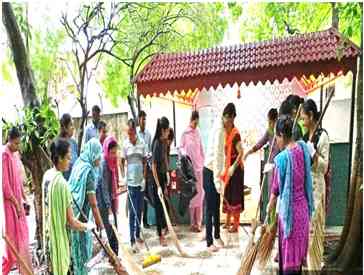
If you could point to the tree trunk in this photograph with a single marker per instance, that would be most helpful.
(348, 255)
(38, 164)
(35, 161)
(21, 59)
(335, 16)
(82, 126)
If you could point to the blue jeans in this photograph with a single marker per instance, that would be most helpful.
(135, 197)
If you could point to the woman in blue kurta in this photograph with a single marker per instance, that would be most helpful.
(83, 188)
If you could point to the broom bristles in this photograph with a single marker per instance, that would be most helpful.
(267, 245)
(250, 255)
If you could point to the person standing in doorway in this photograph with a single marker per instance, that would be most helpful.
(146, 137)
(191, 145)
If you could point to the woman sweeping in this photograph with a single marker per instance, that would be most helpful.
(83, 187)
(107, 190)
(58, 201)
(292, 182)
(159, 169)
(233, 176)
(191, 145)
(319, 148)
(16, 227)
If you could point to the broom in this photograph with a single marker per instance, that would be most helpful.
(151, 258)
(268, 238)
(129, 263)
(248, 259)
(21, 262)
(114, 260)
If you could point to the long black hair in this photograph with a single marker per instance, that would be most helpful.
(272, 114)
(284, 127)
(13, 133)
(310, 108)
(162, 124)
(229, 110)
(59, 149)
(65, 121)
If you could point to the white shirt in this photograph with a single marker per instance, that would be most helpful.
(134, 156)
(215, 157)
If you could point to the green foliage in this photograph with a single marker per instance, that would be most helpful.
(175, 27)
(235, 9)
(263, 21)
(31, 133)
(350, 20)
(21, 17)
(115, 83)
(45, 59)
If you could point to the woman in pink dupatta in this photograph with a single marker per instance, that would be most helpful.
(16, 228)
(191, 145)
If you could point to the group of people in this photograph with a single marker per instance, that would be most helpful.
(80, 193)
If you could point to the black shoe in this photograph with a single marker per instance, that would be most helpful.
(146, 225)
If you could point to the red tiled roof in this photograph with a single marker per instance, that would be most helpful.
(277, 59)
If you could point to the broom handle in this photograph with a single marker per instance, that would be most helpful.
(108, 251)
(169, 225)
(134, 268)
(297, 116)
(263, 179)
(17, 256)
(323, 113)
(270, 153)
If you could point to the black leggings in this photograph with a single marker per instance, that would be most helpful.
(159, 213)
(212, 199)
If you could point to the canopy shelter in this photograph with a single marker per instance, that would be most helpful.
(303, 55)
(310, 58)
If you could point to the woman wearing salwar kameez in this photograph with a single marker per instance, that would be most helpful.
(292, 184)
(82, 182)
(191, 145)
(233, 175)
(58, 208)
(320, 147)
(16, 227)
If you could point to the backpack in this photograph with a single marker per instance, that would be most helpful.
(187, 183)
